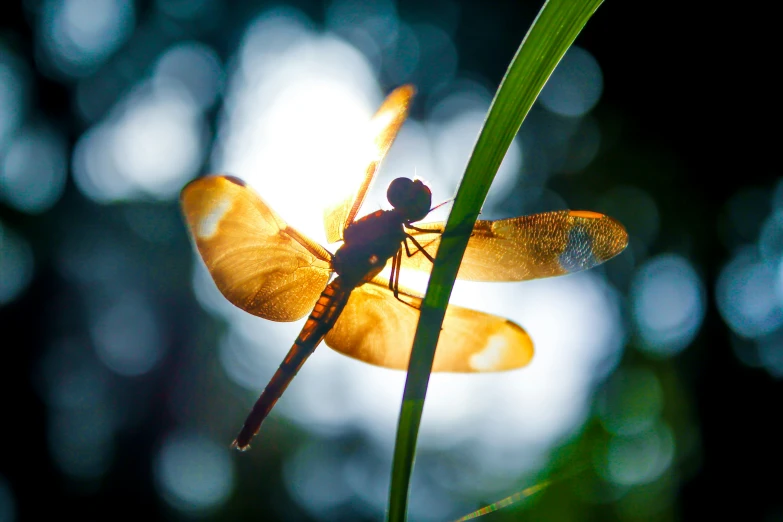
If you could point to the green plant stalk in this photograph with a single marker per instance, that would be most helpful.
(552, 33)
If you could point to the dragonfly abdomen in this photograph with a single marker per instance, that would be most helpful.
(325, 313)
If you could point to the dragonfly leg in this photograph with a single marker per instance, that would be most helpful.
(394, 278)
(405, 244)
(403, 301)
(406, 303)
(418, 247)
(424, 230)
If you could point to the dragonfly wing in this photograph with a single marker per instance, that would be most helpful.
(527, 247)
(384, 128)
(377, 328)
(259, 263)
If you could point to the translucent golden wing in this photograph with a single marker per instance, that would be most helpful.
(528, 247)
(259, 263)
(384, 128)
(378, 329)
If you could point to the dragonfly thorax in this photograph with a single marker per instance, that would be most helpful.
(372, 240)
(369, 243)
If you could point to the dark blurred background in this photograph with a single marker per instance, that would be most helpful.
(655, 390)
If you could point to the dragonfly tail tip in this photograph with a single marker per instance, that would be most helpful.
(238, 447)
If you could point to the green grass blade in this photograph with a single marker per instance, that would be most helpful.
(552, 33)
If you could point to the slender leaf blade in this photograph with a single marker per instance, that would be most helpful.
(552, 33)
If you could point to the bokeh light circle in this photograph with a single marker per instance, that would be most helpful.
(640, 458)
(147, 148)
(747, 295)
(16, 265)
(575, 85)
(78, 35)
(193, 474)
(33, 170)
(194, 66)
(127, 336)
(13, 99)
(668, 303)
(631, 401)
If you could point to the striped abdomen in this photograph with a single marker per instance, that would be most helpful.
(326, 311)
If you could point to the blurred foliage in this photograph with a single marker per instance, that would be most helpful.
(680, 123)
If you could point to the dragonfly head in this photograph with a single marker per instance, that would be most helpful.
(410, 197)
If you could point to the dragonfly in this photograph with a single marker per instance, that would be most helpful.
(271, 270)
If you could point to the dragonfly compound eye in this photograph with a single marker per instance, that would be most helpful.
(412, 197)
